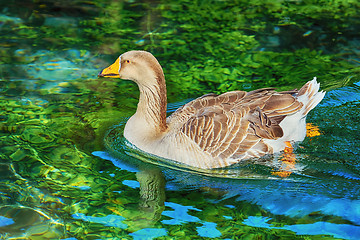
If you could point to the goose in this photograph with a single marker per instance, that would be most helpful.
(212, 131)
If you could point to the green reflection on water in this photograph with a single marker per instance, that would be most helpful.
(54, 112)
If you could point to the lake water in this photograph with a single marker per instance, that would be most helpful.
(66, 172)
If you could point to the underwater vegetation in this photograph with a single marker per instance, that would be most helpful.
(204, 45)
(54, 113)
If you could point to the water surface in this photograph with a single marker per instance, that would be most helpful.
(59, 178)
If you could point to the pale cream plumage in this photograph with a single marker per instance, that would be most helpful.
(212, 131)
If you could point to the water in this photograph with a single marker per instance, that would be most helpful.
(59, 178)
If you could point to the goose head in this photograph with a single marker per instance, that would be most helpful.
(138, 66)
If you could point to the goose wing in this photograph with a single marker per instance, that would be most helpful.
(232, 125)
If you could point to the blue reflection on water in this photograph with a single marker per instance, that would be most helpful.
(295, 204)
(256, 221)
(179, 214)
(343, 231)
(119, 164)
(148, 233)
(131, 183)
(84, 188)
(4, 221)
(208, 230)
(342, 95)
(109, 220)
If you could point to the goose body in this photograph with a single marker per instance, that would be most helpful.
(212, 131)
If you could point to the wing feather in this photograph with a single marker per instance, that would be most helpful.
(232, 125)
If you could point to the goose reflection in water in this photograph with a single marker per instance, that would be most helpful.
(152, 193)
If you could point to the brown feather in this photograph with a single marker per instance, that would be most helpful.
(228, 125)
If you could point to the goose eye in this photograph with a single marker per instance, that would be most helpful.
(127, 61)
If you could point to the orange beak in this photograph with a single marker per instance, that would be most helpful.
(111, 71)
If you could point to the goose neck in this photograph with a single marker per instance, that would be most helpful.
(152, 106)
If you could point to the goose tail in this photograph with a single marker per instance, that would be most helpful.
(310, 96)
